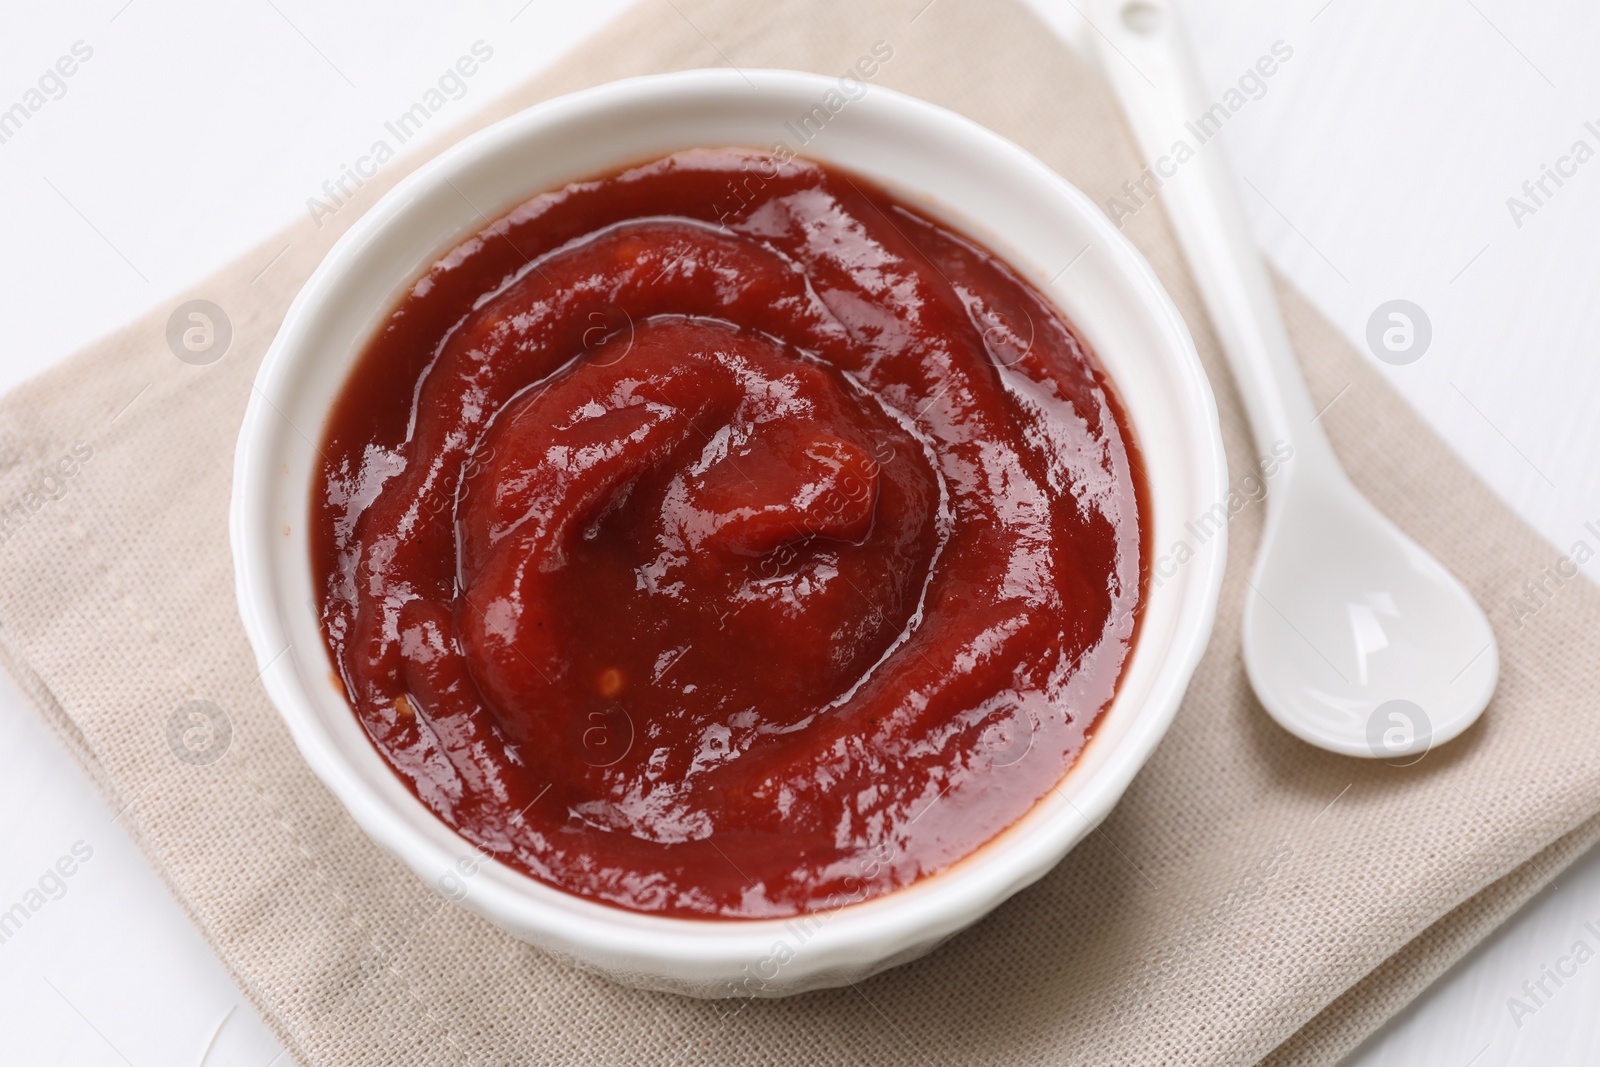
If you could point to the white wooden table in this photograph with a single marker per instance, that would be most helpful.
(1378, 164)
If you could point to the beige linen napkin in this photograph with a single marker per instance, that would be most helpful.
(1250, 897)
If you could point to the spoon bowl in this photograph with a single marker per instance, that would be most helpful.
(1355, 638)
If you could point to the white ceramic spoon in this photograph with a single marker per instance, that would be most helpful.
(1355, 639)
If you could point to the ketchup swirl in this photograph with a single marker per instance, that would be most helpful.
(724, 538)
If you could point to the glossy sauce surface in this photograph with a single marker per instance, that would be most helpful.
(724, 538)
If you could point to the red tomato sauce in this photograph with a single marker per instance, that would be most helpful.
(725, 538)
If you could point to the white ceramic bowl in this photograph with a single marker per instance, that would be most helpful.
(972, 179)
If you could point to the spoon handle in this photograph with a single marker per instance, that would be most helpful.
(1146, 56)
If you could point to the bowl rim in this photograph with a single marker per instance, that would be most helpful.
(880, 927)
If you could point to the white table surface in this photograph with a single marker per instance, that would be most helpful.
(1376, 166)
